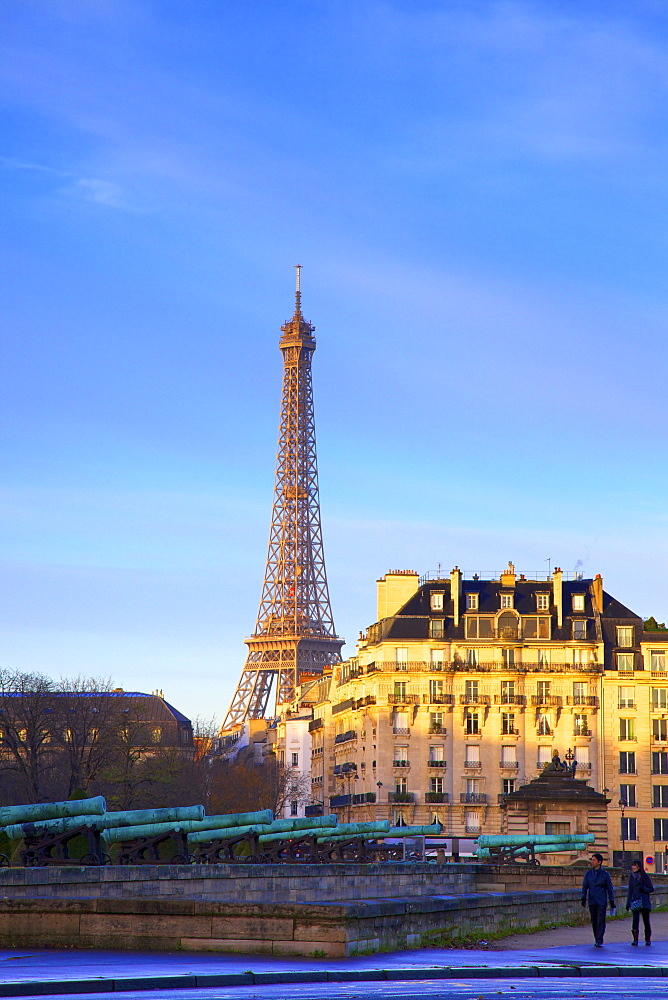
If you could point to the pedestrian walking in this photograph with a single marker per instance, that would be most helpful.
(597, 888)
(638, 901)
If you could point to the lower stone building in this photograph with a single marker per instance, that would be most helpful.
(464, 688)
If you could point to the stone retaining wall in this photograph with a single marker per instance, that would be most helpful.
(317, 929)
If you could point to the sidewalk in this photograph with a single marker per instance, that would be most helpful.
(562, 952)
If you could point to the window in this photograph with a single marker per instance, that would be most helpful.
(627, 762)
(659, 699)
(401, 657)
(657, 659)
(295, 760)
(624, 635)
(399, 819)
(436, 602)
(544, 725)
(471, 690)
(625, 662)
(543, 657)
(471, 602)
(436, 786)
(536, 628)
(627, 729)
(508, 725)
(472, 657)
(659, 762)
(437, 751)
(558, 829)
(542, 602)
(473, 786)
(627, 828)
(508, 657)
(660, 829)
(400, 756)
(581, 725)
(471, 724)
(660, 730)
(437, 657)
(626, 697)
(436, 628)
(471, 821)
(479, 628)
(400, 690)
(507, 600)
(156, 735)
(578, 602)
(472, 753)
(508, 755)
(581, 756)
(660, 796)
(508, 785)
(544, 755)
(579, 630)
(507, 691)
(543, 690)
(435, 722)
(627, 794)
(580, 656)
(401, 786)
(294, 807)
(580, 692)
(435, 691)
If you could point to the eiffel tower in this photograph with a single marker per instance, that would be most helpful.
(294, 633)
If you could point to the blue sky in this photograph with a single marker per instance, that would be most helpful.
(478, 193)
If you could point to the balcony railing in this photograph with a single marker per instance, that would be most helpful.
(437, 730)
(403, 699)
(317, 751)
(315, 724)
(583, 765)
(546, 700)
(473, 831)
(336, 801)
(401, 797)
(436, 763)
(474, 699)
(350, 767)
(590, 700)
(363, 798)
(510, 699)
(401, 763)
(473, 763)
(473, 798)
(346, 737)
(401, 731)
(438, 699)
(443, 797)
(510, 731)
(514, 764)
(586, 731)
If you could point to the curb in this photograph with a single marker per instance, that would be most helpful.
(141, 983)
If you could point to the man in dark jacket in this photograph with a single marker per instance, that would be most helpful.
(597, 885)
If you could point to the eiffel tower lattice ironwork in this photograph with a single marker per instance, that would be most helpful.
(294, 634)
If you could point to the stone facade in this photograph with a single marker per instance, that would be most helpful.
(464, 688)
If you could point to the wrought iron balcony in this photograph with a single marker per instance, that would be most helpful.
(590, 700)
(336, 801)
(474, 699)
(401, 731)
(436, 763)
(547, 700)
(363, 798)
(443, 797)
(437, 730)
(403, 699)
(401, 763)
(514, 764)
(315, 724)
(401, 797)
(473, 831)
(346, 737)
(438, 699)
(473, 763)
(473, 798)
(510, 699)
(586, 731)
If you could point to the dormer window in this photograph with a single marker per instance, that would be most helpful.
(578, 602)
(471, 602)
(542, 602)
(625, 635)
(507, 600)
(436, 601)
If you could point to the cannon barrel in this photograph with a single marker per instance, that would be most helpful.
(222, 833)
(484, 853)
(49, 826)
(140, 817)
(516, 839)
(301, 823)
(10, 815)
(356, 829)
(430, 830)
(271, 838)
(119, 834)
(262, 818)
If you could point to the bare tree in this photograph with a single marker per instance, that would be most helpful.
(86, 726)
(28, 753)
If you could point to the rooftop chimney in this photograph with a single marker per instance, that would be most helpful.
(394, 589)
(508, 576)
(597, 592)
(557, 595)
(456, 592)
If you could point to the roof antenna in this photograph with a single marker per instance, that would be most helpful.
(298, 290)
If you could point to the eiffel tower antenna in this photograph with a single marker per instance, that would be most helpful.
(294, 633)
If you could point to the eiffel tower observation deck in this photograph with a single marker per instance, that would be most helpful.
(294, 633)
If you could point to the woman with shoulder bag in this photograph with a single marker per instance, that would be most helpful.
(638, 901)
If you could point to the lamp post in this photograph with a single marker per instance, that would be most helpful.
(570, 757)
(621, 805)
